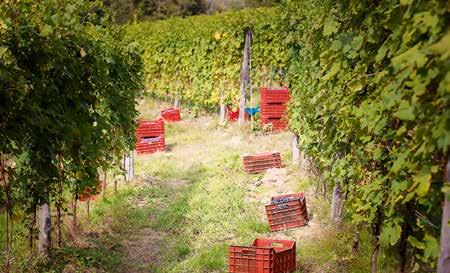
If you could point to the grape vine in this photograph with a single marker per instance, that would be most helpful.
(371, 97)
(198, 58)
(68, 88)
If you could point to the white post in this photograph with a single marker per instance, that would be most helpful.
(337, 204)
(45, 227)
(222, 113)
(129, 166)
(295, 150)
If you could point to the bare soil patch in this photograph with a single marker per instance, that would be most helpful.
(143, 250)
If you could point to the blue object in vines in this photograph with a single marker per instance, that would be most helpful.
(252, 111)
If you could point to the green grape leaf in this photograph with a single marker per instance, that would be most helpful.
(405, 111)
(330, 27)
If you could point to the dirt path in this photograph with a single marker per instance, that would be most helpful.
(284, 181)
(197, 142)
(143, 250)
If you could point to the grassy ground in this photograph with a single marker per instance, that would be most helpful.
(187, 205)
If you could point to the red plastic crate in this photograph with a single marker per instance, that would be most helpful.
(274, 107)
(274, 94)
(171, 114)
(287, 211)
(263, 256)
(260, 162)
(278, 124)
(150, 137)
(234, 115)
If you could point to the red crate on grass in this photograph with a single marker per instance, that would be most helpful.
(259, 162)
(171, 114)
(234, 115)
(263, 256)
(150, 136)
(278, 124)
(287, 211)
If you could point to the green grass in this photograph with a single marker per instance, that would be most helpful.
(198, 195)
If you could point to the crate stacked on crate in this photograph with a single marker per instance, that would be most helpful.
(263, 256)
(150, 136)
(287, 211)
(260, 162)
(171, 114)
(274, 106)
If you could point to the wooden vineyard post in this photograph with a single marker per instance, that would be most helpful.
(444, 256)
(176, 103)
(303, 162)
(104, 184)
(337, 205)
(245, 75)
(295, 149)
(128, 166)
(45, 226)
(222, 106)
(222, 113)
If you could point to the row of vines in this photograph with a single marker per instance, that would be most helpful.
(198, 59)
(68, 85)
(371, 104)
(371, 99)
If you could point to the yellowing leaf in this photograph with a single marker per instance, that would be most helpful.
(416, 243)
(442, 47)
(3, 26)
(355, 85)
(217, 36)
(330, 27)
(425, 21)
(333, 71)
(5, 56)
(405, 2)
(46, 30)
(423, 182)
(82, 52)
(412, 57)
(357, 42)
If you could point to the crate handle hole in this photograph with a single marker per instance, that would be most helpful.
(248, 252)
(277, 245)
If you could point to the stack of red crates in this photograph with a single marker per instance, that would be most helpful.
(263, 256)
(171, 114)
(274, 106)
(259, 162)
(150, 136)
(287, 211)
